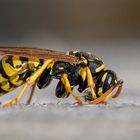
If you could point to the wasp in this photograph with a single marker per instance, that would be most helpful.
(25, 66)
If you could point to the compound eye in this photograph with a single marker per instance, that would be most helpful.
(111, 78)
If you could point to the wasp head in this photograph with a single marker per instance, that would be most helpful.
(106, 80)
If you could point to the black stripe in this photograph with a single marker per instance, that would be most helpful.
(9, 60)
(24, 59)
(2, 71)
(2, 91)
(5, 76)
(41, 62)
(11, 86)
(25, 75)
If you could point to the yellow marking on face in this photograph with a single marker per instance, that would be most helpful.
(16, 62)
(115, 81)
(100, 68)
(104, 77)
(100, 91)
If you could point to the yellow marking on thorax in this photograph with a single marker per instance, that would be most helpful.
(104, 77)
(84, 60)
(76, 51)
(100, 68)
(82, 73)
(61, 68)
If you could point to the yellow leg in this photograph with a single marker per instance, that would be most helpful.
(91, 84)
(103, 102)
(18, 97)
(33, 78)
(67, 85)
(29, 81)
(32, 93)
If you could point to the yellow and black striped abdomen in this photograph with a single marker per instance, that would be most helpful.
(14, 70)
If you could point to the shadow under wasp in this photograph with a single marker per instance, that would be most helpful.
(32, 66)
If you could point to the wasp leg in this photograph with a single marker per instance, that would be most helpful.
(91, 84)
(103, 102)
(18, 97)
(118, 91)
(82, 80)
(102, 99)
(32, 93)
(29, 81)
(67, 85)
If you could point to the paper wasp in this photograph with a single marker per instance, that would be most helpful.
(31, 66)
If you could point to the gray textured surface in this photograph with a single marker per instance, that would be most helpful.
(51, 121)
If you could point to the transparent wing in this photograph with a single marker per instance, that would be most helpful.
(40, 53)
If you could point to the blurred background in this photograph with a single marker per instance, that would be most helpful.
(109, 28)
